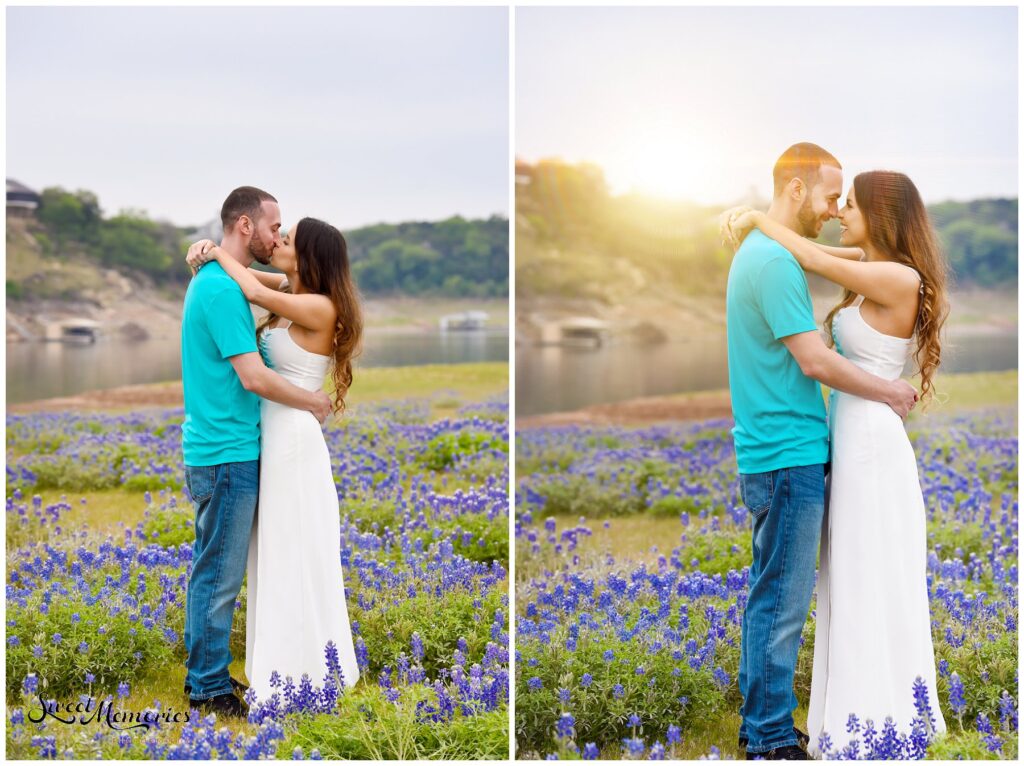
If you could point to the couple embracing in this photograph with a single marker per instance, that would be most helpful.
(845, 481)
(256, 463)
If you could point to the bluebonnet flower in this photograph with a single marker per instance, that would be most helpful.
(586, 680)
(534, 683)
(47, 745)
(656, 753)
(956, 695)
(922, 705)
(1008, 711)
(565, 727)
(721, 678)
(993, 743)
(674, 734)
(633, 720)
(563, 696)
(982, 724)
(31, 683)
(123, 689)
(590, 752)
(362, 654)
(618, 691)
(634, 746)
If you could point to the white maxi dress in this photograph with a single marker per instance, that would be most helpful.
(873, 627)
(296, 589)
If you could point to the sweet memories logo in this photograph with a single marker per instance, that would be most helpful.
(90, 710)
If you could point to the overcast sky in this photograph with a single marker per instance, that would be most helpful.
(354, 115)
(698, 103)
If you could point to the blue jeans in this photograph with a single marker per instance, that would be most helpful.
(787, 506)
(225, 499)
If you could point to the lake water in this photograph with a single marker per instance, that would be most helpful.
(45, 370)
(558, 378)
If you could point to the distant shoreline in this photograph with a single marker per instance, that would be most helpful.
(371, 384)
(147, 314)
(964, 390)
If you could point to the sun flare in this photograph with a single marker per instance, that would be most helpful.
(662, 161)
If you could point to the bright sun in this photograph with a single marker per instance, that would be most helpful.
(661, 161)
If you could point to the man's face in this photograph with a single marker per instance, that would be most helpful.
(821, 202)
(266, 233)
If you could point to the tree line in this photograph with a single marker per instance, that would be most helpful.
(574, 238)
(455, 257)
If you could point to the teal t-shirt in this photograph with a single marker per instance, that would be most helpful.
(779, 411)
(222, 419)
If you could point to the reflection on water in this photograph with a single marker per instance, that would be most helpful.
(556, 378)
(45, 370)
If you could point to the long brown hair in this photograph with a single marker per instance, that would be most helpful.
(898, 225)
(322, 260)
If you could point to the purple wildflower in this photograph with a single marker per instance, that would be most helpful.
(565, 728)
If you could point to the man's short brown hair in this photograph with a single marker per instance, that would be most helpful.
(803, 161)
(245, 200)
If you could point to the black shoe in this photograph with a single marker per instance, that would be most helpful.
(238, 686)
(786, 753)
(802, 739)
(222, 705)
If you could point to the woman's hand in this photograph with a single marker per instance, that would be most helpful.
(199, 253)
(735, 223)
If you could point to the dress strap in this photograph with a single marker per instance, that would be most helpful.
(284, 323)
(920, 288)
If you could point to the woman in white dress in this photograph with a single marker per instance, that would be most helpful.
(873, 628)
(296, 592)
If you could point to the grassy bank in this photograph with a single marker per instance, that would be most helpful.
(448, 385)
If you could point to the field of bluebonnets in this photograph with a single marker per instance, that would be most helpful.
(632, 550)
(99, 540)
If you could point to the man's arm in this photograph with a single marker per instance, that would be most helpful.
(262, 381)
(823, 364)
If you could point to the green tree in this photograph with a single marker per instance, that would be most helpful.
(133, 242)
(70, 217)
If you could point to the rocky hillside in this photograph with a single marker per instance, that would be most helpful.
(44, 288)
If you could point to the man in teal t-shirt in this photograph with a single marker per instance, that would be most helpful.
(223, 378)
(222, 418)
(776, 360)
(779, 411)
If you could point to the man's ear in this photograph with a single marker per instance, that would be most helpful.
(244, 225)
(797, 189)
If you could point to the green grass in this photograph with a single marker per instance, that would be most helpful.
(974, 389)
(451, 385)
(104, 509)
